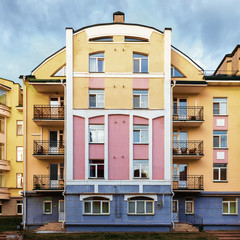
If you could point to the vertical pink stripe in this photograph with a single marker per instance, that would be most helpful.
(78, 148)
(158, 149)
(223, 152)
(96, 151)
(96, 120)
(140, 83)
(118, 147)
(97, 83)
(140, 120)
(219, 120)
(140, 151)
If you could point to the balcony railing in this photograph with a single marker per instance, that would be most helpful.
(188, 113)
(193, 219)
(191, 147)
(47, 112)
(4, 165)
(47, 147)
(45, 182)
(188, 182)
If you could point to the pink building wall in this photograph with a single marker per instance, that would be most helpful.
(78, 148)
(158, 149)
(140, 151)
(220, 156)
(97, 83)
(96, 120)
(220, 123)
(118, 147)
(140, 120)
(96, 151)
(140, 83)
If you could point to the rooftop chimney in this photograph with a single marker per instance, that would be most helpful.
(118, 17)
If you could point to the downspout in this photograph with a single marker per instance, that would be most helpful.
(25, 155)
(64, 176)
(171, 126)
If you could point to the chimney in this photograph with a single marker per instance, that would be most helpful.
(118, 17)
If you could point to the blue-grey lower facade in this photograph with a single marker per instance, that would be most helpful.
(208, 209)
(118, 218)
(35, 215)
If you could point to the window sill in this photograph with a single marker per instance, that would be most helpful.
(140, 214)
(98, 178)
(141, 143)
(218, 115)
(96, 108)
(189, 213)
(230, 214)
(95, 214)
(96, 143)
(220, 181)
(96, 72)
(138, 178)
(218, 148)
(47, 213)
(140, 72)
(139, 108)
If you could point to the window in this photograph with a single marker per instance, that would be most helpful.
(96, 206)
(61, 72)
(229, 206)
(96, 133)
(189, 206)
(219, 106)
(2, 151)
(140, 134)
(141, 206)
(3, 97)
(140, 168)
(140, 98)
(0, 208)
(135, 39)
(2, 179)
(47, 206)
(19, 154)
(19, 180)
(2, 124)
(96, 62)
(19, 127)
(140, 63)
(96, 168)
(219, 172)
(101, 39)
(175, 72)
(19, 207)
(220, 139)
(96, 98)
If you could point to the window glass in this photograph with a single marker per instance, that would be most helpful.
(140, 63)
(47, 207)
(96, 62)
(229, 205)
(220, 106)
(96, 98)
(140, 207)
(19, 154)
(19, 127)
(0, 208)
(96, 133)
(140, 168)
(149, 207)
(96, 207)
(19, 180)
(220, 139)
(140, 134)
(96, 168)
(131, 207)
(219, 172)
(105, 207)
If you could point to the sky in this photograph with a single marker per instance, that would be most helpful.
(32, 30)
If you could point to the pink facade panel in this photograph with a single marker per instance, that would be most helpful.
(118, 147)
(158, 149)
(140, 151)
(96, 120)
(220, 123)
(96, 151)
(78, 148)
(96, 83)
(140, 120)
(220, 156)
(140, 83)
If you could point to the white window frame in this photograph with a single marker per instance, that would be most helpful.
(140, 129)
(98, 58)
(140, 57)
(228, 203)
(97, 128)
(189, 201)
(19, 126)
(96, 167)
(19, 179)
(219, 169)
(19, 154)
(219, 135)
(44, 209)
(97, 93)
(140, 168)
(141, 93)
(101, 207)
(221, 102)
(145, 210)
(19, 203)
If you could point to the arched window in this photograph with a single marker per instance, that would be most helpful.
(140, 206)
(140, 63)
(96, 206)
(96, 62)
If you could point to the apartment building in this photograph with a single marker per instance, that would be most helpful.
(11, 148)
(124, 132)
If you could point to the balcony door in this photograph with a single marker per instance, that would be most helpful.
(56, 104)
(180, 108)
(180, 174)
(56, 142)
(175, 210)
(180, 141)
(54, 175)
(61, 210)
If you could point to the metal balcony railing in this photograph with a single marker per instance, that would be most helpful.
(187, 182)
(45, 182)
(193, 219)
(188, 113)
(48, 112)
(47, 147)
(191, 147)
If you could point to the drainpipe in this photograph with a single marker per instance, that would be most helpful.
(171, 126)
(64, 190)
(25, 155)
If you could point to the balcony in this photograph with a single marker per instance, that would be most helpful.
(187, 149)
(188, 116)
(4, 193)
(5, 111)
(45, 182)
(46, 115)
(186, 183)
(48, 150)
(4, 165)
